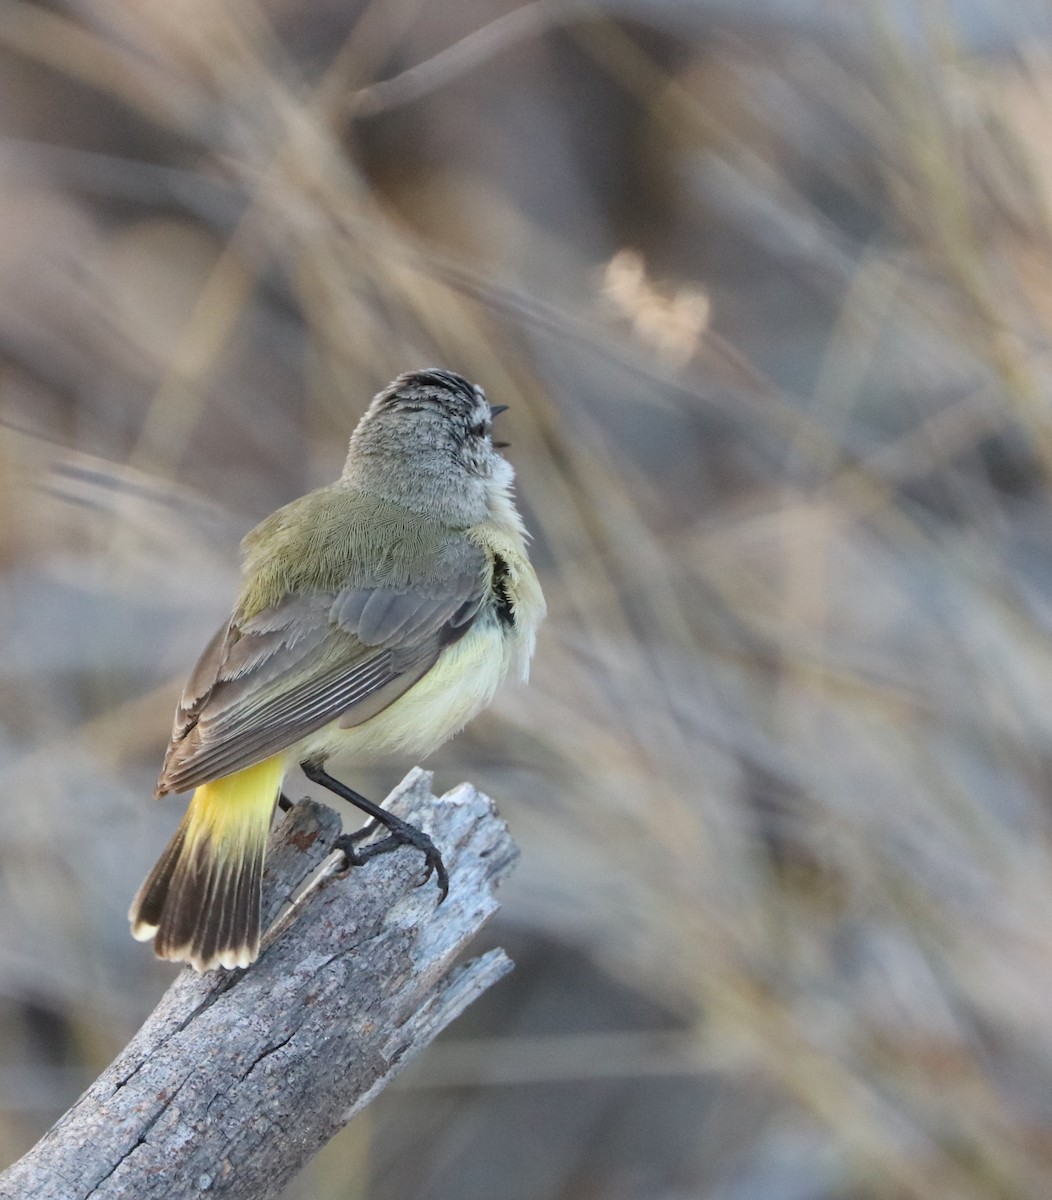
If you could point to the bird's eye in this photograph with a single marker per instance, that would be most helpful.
(478, 430)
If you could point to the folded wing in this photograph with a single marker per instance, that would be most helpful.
(264, 682)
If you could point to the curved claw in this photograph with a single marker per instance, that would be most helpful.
(433, 865)
(357, 856)
(401, 832)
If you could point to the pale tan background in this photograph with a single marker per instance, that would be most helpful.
(768, 289)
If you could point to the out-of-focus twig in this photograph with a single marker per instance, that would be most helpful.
(528, 20)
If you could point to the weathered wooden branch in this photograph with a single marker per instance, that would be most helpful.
(239, 1077)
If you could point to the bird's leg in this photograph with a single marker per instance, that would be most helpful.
(363, 834)
(402, 833)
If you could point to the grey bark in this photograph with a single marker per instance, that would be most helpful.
(238, 1077)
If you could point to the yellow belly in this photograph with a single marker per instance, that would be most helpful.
(456, 688)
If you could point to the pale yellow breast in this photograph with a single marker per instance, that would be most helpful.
(456, 689)
(463, 680)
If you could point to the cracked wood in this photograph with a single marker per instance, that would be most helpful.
(238, 1077)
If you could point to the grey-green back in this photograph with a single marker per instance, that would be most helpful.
(346, 602)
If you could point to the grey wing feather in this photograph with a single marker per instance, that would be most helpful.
(287, 671)
(200, 683)
(385, 617)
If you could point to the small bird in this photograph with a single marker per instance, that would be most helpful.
(376, 616)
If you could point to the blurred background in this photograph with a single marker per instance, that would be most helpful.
(768, 287)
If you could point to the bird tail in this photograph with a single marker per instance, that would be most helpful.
(201, 902)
